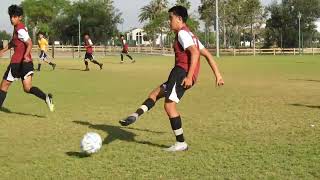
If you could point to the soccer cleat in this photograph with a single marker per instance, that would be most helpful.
(129, 120)
(87, 69)
(54, 66)
(100, 66)
(50, 102)
(133, 61)
(178, 146)
(121, 62)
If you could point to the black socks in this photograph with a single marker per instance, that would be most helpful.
(146, 106)
(176, 126)
(37, 92)
(3, 96)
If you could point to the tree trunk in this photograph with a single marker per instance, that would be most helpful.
(251, 32)
(224, 34)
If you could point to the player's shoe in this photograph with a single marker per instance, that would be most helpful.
(54, 66)
(178, 146)
(100, 65)
(87, 69)
(133, 61)
(121, 62)
(129, 120)
(50, 102)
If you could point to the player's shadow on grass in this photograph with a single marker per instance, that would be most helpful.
(309, 80)
(120, 133)
(72, 69)
(6, 110)
(77, 154)
(304, 105)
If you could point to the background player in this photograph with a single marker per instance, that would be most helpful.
(182, 77)
(21, 65)
(89, 53)
(125, 49)
(43, 57)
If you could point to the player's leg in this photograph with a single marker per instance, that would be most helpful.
(9, 76)
(86, 58)
(5, 84)
(41, 59)
(121, 55)
(87, 65)
(26, 76)
(174, 93)
(48, 60)
(130, 57)
(146, 106)
(176, 125)
(95, 62)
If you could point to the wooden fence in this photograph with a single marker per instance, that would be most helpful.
(74, 52)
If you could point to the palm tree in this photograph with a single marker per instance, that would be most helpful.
(154, 8)
(184, 3)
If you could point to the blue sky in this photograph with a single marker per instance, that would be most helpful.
(129, 9)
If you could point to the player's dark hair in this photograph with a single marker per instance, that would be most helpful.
(180, 11)
(15, 10)
(86, 34)
(121, 35)
(42, 33)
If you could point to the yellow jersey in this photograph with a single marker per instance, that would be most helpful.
(43, 43)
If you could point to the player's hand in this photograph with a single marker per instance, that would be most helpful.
(27, 58)
(1, 53)
(187, 83)
(219, 81)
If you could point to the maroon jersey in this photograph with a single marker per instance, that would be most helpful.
(125, 46)
(183, 57)
(20, 36)
(88, 45)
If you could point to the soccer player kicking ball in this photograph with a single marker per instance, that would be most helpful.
(43, 57)
(183, 76)
(89, 53)
(21, 65)
(125, 50)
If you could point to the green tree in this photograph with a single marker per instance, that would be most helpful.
(207, 12)
(184, 3)
(254, 12)
(41, 13)
(99, 18)
(282, 27)
(155, 13)
(4, 35)
(152, 10)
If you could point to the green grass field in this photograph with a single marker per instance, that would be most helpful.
(263, 124)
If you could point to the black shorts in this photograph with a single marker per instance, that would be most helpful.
(173, 88)
(124, 51)
(88, 56)
(18, 70)
(42, 55)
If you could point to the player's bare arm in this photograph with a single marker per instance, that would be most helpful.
(219, 80)
(28, 50)
(188, 81)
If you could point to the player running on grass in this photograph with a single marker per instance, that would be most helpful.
(21, 65)
(183, 76)
(43, 57)
(125, 50)
(89, 53)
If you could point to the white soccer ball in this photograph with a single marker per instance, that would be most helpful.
(91, 143)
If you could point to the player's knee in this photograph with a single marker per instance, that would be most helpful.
(170, 109)
(26, 89)
(5, 85)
